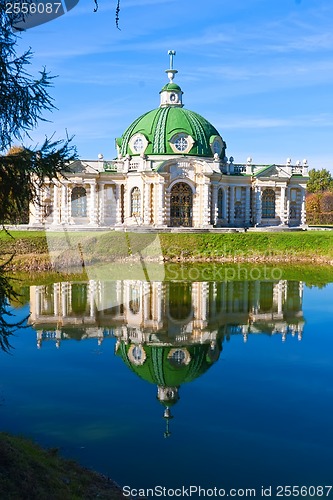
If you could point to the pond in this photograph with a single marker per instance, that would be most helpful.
(225, 384)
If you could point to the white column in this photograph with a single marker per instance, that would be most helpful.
(206, 203)
(56, 212)
(92, 294)
(38, 206)
(214, 204)
(147, 203)
(288, 206)
(119, 295)
(160, 203)
(118, 204)
(93, 220)
(303, 210)
(64, 292)
(258, 205)
(280, 296)
(56, 288)
(225, 203)
(146, 298)
(159, 309)
(64, 204)
(300, 291)
(37, 303)
(203, 302)
(282, 205)
(101, 207)
(166, 208)
(232, 206)
(247, 205)
(256, 296)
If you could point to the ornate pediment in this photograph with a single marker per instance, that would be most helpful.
(273, 172)
(78, 166)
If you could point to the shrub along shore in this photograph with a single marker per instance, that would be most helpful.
(39, 251)
(28, 471)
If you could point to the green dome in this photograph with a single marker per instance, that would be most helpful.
(161, 127)
(158, 368)
(171, 86)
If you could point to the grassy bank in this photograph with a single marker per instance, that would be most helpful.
(28, 471)
(36, 251)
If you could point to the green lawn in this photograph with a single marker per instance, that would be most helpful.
(302, 246)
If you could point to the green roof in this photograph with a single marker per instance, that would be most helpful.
(158, 369)
(161, 124)
(171, 86)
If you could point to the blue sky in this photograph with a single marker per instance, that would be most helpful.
(260, 70)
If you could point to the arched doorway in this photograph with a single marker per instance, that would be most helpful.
(79, 202)
(181, 203)
(268, 204)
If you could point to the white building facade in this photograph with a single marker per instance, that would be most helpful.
(171, 170)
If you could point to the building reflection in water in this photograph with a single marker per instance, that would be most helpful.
(168, 333)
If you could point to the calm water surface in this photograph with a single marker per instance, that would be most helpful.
(226, 384)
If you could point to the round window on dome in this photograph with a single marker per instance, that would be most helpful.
(136, 354)
(138, 143)
(179, 357)
(181, 143)
(216, 145)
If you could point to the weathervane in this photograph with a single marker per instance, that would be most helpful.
(171, 72)
(171, 54)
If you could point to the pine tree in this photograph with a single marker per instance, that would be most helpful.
(23, 102)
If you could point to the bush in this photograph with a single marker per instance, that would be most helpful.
(324, 218)
(319, 208)
(326, 202)
(312, 204)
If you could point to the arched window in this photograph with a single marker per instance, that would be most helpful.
(268, 204)
(79, 202)
(135, 202)
(135, 299)
(220, 204)
(47, 208)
